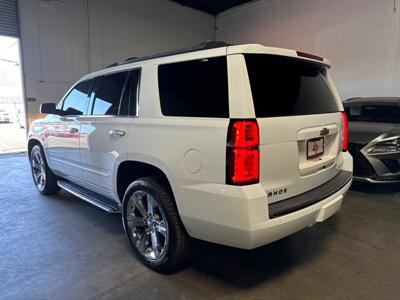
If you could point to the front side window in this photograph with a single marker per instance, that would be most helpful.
(197, 88)
(284, 86)
(373, 113)
(75, 103)
(108, 94)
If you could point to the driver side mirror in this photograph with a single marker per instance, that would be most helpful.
(48, 108)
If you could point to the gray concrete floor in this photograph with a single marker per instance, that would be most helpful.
(62, 248)
(12, 138)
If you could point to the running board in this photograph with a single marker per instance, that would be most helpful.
(93, 198)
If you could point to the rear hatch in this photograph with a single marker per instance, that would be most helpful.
(299, 123)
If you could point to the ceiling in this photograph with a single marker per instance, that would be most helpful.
(211, 6)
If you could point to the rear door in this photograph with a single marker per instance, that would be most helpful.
(106, 135)
(299, 122)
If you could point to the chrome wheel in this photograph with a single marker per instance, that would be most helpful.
(148, 225)
(38, 168)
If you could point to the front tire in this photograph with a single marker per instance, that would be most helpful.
(152, 224)
(44, 180)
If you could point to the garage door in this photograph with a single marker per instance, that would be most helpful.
(9, 18)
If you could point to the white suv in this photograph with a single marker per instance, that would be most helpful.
(237, 145)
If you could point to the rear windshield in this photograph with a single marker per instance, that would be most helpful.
(374, 113)
(283, 86)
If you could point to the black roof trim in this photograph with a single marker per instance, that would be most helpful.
(203, 46)
(352, 99)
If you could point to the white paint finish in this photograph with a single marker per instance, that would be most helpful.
(329, 209)
(62, 145)
(226, 223)
(192, 161)
(101, 153)
(65, 39)
(209, 208)
(360, 37)
(240, 99)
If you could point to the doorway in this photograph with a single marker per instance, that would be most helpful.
(12, 110)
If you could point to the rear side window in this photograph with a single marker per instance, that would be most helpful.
(374, 113)
(108, 94)
(283, 86)
(129, 100)
(75, 103)
(197, 88)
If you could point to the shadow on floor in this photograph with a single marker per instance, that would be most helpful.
(249, 268)
(235, 267)
(84, 211)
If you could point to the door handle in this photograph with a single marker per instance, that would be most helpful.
(116, 133)
(73, 130)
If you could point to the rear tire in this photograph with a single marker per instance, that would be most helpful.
(152, 224)
(43, 178)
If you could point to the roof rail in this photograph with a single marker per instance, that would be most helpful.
(203, 46)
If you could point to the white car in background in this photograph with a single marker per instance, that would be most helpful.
(4, 116)
(238, 145)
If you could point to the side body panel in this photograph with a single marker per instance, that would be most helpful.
(101, 152)
(188, 150)
(62, 145)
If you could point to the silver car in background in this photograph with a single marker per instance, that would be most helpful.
(374, 138)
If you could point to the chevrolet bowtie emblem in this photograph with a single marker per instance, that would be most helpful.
(324, 131)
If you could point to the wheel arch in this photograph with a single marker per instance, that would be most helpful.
(32, 143)
(130, 170)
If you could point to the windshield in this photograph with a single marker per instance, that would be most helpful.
(284, 86)
(374, 113)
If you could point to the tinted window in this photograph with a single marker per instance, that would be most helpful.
(129, 100)
(284, 86)
(194, 88)
(374, 113)
(108, 94)
(77, 100)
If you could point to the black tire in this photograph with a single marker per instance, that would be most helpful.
(49, 185)
(177, 248)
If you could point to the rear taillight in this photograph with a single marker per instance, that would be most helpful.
(345, 136)
(242, 153)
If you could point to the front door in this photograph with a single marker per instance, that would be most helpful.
(64, 134)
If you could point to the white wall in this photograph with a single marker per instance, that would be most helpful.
(64, 39)
(360, 37)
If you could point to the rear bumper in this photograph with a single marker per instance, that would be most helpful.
(240, 216)
(316, 195)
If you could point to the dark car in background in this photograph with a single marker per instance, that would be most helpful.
(374, 138)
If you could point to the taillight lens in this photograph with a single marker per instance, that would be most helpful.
(345, 136)
(243, 156)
